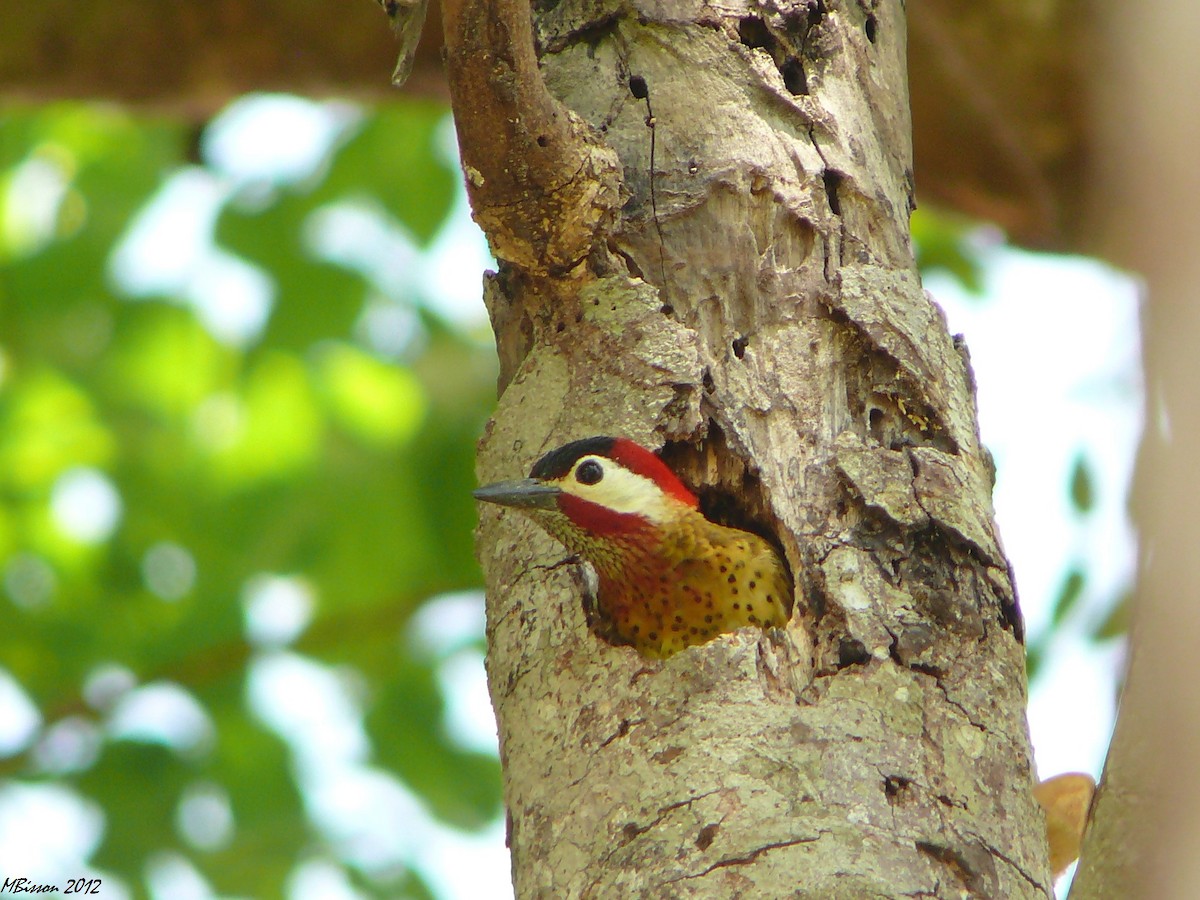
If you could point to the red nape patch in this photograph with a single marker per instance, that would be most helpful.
(637, 458)
(600, 520)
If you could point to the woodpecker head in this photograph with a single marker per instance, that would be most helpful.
(668, 577)
(596, 491)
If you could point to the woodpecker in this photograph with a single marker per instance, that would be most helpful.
(668, 577)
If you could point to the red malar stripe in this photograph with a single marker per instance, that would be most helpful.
(600, 520)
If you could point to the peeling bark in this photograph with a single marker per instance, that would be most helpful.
(753, 308)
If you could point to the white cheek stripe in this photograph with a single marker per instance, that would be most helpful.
(623, 491)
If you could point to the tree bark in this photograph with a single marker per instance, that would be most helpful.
(701, 215)
(1146, 820)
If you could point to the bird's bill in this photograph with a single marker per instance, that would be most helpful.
(524, 493)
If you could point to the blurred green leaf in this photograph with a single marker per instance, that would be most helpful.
(1082, 490)
(47, 425)
(1068, 595)
(1035, 656)
(1116, 623)
(381, 404)
(942, 241)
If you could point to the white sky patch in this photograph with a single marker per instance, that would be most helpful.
(169, 571)
(106, 684)
(231, 297)
(321, 879)
(388, 326)
(359, 235)
(311, 706)
(445, 628)
(171, 876)
(21, 718)
(468, 866)
(446, 623)
(85, 505)
(204, 816)
(1055, 349)
(71, 744)
(277, 609)
(469, 720)
(162, 712)
(171, 236)
(1076, 697)
(373, 821)
(278, 138)
(168, 251)
(46, 830)
(34, 194)
(452, 274)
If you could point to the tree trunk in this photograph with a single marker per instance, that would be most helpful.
(702, 220)
(1146, 822)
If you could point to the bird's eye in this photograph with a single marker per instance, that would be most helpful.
(589, 472)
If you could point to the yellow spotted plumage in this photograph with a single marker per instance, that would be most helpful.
(668, 577)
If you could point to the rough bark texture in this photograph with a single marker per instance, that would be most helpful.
(754, 306)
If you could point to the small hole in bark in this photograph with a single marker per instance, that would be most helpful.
(638, 87)
(794, 78)
(875, 423)
(753, 33)
(560, 327)
(914, 465)
(833, 181)
(542, 140)
(739, 347)
(852, 653)
(871, 27)
(893, 785)
(667, 309)
(709, 384)
(705, 838)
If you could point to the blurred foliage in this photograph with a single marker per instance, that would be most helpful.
(1081, 494)
(1068, 596)
(312, 450)
(942, 240)
(1116, 623)
(1082, 491)
(300, 451)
